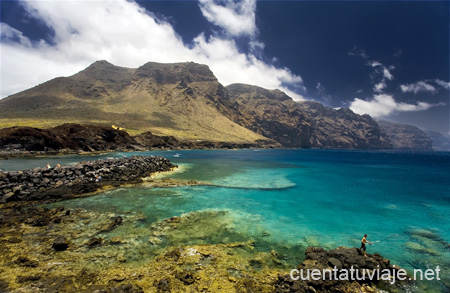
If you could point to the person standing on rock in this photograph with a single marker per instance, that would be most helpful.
(363, 243)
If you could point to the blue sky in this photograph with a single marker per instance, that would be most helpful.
(389, 59)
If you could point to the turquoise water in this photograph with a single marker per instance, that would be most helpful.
(304, 197)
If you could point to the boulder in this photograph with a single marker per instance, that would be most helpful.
(95, 241)
(60, 243)
(8, 197)
(335, 263)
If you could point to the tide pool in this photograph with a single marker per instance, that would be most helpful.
(290, 199)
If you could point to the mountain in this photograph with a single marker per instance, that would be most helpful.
(343, 128)
(186, 101)
(275, 115)
(166, 99)
(406, 137)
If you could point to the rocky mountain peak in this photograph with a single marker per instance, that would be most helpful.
(173, 73)
(257, 92)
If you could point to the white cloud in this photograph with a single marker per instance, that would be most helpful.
(442, 83)
(380, 75)
(420, 86)
(8, 33)
(387, 74)
(382, 70)
(127, 35)
(236, 17)
(379, 87)
(383, 105)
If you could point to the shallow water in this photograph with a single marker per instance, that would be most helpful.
(298, 198)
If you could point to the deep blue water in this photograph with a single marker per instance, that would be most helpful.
(328, 198)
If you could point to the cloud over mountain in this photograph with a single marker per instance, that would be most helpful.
(128, 35)
(383, 105)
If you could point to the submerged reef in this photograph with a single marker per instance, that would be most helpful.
(56, 249)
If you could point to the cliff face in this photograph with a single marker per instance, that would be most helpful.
(343, 128)
(272, 114)
(406, 137)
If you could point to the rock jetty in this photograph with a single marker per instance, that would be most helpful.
(81, 178)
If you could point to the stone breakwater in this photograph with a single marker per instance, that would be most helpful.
(84, 177)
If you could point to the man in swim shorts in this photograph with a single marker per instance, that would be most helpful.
(363, 243)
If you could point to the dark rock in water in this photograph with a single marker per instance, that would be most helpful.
(117, 221)
(14, 240)
(174, 254)
(124, 288)
(3, 286)
(186, 277)
(256, 264)
(32, 278)
(40, 222)
(60, 243)
(162, 285)
(67, 213)
(174, 220)
(25, 262)
(95, 241)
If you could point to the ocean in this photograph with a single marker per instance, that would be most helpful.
(287, 200)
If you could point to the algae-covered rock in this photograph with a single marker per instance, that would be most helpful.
(24, 261)
(60, 243)
(95, 241)
(117, 240)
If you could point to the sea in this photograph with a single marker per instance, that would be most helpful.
(290, 199)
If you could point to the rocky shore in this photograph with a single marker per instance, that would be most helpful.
(72, 138)
(55, 183)
(343, 260)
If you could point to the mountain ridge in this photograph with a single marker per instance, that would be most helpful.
(185, 100)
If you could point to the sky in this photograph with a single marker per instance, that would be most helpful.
(388, 59)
